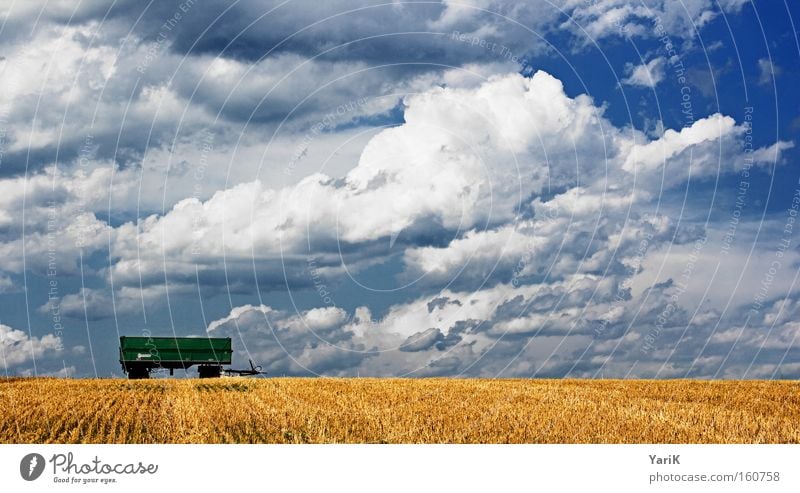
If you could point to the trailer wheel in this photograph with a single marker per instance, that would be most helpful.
(138, 372)
(209, 371)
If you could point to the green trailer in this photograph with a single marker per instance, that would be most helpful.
(141, 355)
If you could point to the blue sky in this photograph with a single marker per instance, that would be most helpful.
(479, 188)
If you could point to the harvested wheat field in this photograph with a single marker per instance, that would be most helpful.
(294, 410)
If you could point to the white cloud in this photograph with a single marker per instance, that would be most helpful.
(604, 18)
(97, 303)
(768, 71)
(174, 97)
(17, 347)
(448, 332)
(435, 168)
(579, 327)
(583, 325)
(237, 312)
(554, 269)
(672, 143)
(431, 169)
(468, 161)
(646, 75)
(529, 205)
(313, 342)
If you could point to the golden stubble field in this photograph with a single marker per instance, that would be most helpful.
(296, 410)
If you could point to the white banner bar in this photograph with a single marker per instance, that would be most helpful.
(400, 468)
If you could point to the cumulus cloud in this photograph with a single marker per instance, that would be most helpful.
(176, 101)
(18, 348)
(315, 342)
(581, 327)
(424, 171)
(257, 72)
(537, 236)
(468, 178)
